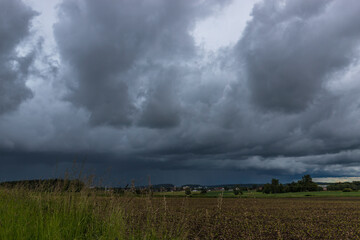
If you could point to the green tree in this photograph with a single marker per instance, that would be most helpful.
(275, 187)
(187, 191)
(307, 184)
(267, 188)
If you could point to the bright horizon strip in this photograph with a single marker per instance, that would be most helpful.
(336, 179)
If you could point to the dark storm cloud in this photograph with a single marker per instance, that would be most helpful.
(15, 19)
(291, 48)
(142, 98)
(111, 49)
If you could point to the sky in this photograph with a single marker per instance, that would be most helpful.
(206, 92)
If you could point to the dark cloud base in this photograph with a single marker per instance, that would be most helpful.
(114, 170)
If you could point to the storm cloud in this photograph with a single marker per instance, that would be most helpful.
(126, 86)
(292, 48)
(115, 49)
(15, 19)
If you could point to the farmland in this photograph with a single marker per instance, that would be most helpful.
(26, 214)
(254, 194)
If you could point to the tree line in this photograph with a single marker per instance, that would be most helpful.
(304, 185)
(347, 186)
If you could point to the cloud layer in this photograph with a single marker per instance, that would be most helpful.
(128, 87)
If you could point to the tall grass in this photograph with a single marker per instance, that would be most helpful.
(58, 215)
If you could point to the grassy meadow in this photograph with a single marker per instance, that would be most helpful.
(89, 214)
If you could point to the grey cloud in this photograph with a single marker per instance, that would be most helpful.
(142, 98)
(112, 46)
(15, 19)
(161, 109)
(291, 48)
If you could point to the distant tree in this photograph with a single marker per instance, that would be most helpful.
(306, 178)
(237, 191)
(293, 187)
(281, 188)
(306, 184)
(275, 187)
(267, 188)
(274, 182)
(187, 191)
(203, 191)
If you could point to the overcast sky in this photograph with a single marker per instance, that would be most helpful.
(206, 92)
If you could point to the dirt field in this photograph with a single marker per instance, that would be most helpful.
(300, 218)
